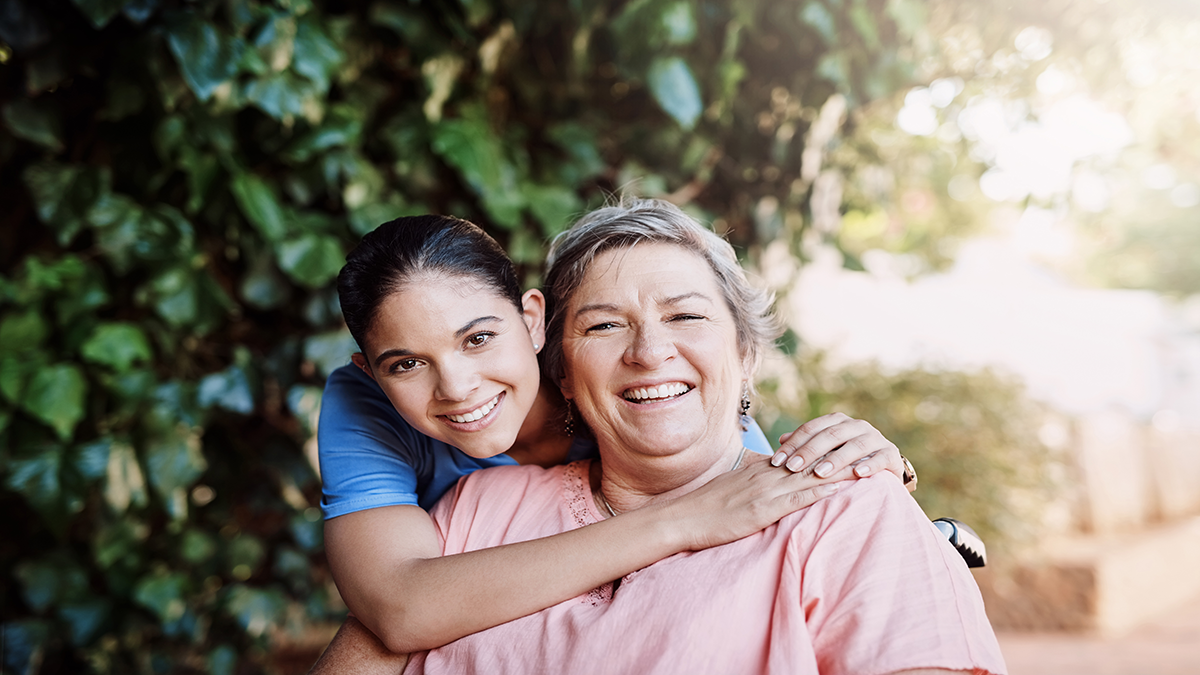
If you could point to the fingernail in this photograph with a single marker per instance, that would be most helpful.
(778, 458)
(823, 469)
(796, 463)
(862, 471)
(828, 489)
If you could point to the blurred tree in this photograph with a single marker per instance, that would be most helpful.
(1077, 117)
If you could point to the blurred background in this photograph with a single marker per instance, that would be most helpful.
(981, 220)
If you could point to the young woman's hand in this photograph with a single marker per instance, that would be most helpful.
(826, 445)
(743, 501)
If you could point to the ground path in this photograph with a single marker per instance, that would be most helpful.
(1169, 645)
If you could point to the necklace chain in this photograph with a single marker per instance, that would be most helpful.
(613, 512)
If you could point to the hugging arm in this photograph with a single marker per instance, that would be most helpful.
(389, 570)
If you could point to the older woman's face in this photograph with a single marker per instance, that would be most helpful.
(651, 354)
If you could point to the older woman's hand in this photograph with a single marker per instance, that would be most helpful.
(826, 445)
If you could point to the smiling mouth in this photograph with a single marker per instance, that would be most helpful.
(661, 392)
(476, 414)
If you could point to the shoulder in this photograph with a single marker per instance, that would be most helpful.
(874, 514)
(501, 505)
(508, 484)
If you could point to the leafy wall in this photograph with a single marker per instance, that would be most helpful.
(180, 183)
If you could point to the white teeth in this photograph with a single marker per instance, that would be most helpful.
(476, 414)
(662, 391)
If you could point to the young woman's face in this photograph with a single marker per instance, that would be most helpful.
(651, 353)
(457, 360)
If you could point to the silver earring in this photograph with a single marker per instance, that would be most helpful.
(745, 399)
(570, 425)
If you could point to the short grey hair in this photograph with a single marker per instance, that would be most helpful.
(633, 221)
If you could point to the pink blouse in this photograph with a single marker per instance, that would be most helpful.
(859, 583)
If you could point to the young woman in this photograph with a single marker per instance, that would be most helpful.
(447, 382)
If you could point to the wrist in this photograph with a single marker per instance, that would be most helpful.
(664, 528)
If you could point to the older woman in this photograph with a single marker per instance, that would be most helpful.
(654, 336)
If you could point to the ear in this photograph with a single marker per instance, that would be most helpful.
(361, 361)
(534, 314)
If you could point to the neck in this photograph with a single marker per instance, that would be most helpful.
(629, 482)
(542, 440)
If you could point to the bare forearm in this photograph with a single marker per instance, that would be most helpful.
(356, 651)
(387, 566)
(428, 602)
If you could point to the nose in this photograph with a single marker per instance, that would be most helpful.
(651, 346)
(456, 382)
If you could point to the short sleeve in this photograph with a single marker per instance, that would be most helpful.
(370, 457)
(755, 440)
(367, 460)
(882, 591)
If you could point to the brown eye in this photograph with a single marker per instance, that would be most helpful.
(480, 339)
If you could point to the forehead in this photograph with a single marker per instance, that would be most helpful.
(647, 267)
(433, 307)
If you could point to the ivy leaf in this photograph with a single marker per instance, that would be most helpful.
(117, 345)
(260, 205)
(197, 546)
(90, 461)
(330, 351)
(284, 95)
(818, 16)
(64, 194)
(307, 532)
(255, 609)
(174, 462)
(99, 12)
(342, 127)
(553, 206)
(22, 332)
(207, 58)
(580, 145)
(679, 23)
(674, 87)
(162, 594)
(37, 478)
(85, 619)
(22, 642)
(14, 374)
(139, 10)
(469, 145)
(246, 550)
(228, 389)
(311, 260)
(222, 660)
(263, 287)
(50, 580)
(35, 121)
(174, 295)
(315, 55)
(185, 296)
(55, 396)
(374, 213)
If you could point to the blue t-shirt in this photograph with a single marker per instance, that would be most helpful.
(371, 457)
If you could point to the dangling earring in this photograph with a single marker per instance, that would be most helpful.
(570, 425)
(745, 399)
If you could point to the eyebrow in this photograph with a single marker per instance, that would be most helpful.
(470, 325)
(672, 300)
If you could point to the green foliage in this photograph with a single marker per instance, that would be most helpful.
(973, 438)
(181, 184)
